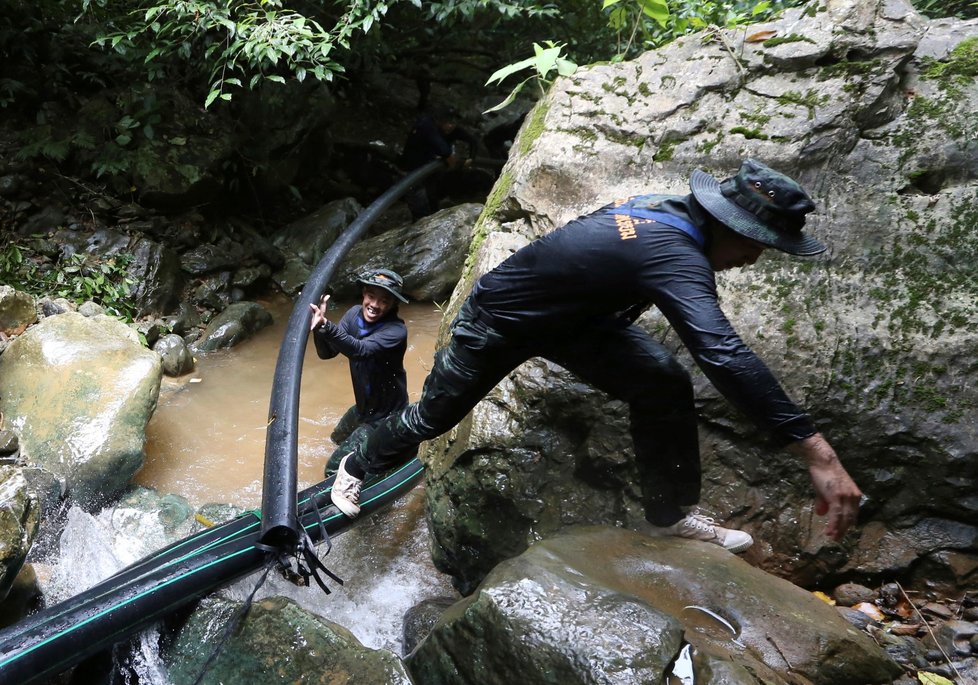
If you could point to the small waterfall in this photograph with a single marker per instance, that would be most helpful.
(93, 548)
(386, 568)
(383, 560)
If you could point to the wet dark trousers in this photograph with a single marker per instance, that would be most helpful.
(625, 362)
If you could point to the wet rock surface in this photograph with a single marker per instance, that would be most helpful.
(79, 392)
(276, 641)
(604, 605)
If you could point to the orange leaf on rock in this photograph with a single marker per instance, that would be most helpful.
(760, 36)
(870, 610)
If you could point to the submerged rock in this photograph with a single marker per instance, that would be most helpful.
(235, 324)
(275, 642)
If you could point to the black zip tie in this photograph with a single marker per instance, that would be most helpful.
(314, 565)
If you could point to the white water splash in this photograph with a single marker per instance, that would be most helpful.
(91, 549)
(386, 568)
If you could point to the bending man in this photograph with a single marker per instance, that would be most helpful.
(374, 339)
(572, 297)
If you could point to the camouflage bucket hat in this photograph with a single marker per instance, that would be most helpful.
(759, 203)
(382, 278)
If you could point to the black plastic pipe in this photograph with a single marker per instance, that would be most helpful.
(279, 527)
(55, 639)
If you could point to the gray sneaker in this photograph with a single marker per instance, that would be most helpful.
(698, 527)
(346, 491)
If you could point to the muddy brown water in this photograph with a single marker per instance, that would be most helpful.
(206, 439)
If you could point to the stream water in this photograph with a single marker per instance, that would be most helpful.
(206, 443)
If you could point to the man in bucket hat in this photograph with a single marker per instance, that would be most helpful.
(374, 339)
(572, 297)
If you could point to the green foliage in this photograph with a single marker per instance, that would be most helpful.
(243, 43)
(544, 61)
(79, 278)
(449, 12)
(239, 41)
(645, 24)
(937, 9)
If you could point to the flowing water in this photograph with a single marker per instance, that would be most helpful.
(206, 442)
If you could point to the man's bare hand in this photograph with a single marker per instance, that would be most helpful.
(318, 313)
(836, 495)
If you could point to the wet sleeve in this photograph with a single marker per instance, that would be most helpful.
(322, 340)
(684, 290)
(433, 139)
(387, 337)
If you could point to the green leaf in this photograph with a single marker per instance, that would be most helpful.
(760, 7)
(657, 10)
(509, 69)
(509, 98)
(546, 59)
(211, 96)
(618, 18)
(565, 67)
(609, 3)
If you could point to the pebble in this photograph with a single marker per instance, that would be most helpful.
(850, 594)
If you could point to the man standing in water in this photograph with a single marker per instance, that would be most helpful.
(572, 297)
(374, 339)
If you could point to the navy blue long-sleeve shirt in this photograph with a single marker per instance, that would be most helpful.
(427, 142)
(597, 266)
(376, 354)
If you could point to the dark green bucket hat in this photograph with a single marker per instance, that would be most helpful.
(383, 278)
(760, 203)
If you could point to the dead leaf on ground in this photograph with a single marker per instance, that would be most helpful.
(824, 597)
(904, 628)
(760, 36)
(870, 610)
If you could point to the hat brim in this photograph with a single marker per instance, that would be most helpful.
(391, 291)
(706, 190)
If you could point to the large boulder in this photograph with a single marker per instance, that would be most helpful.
(79, 392)
(604, 605)
(305, 241)
(875, 338)
(429, 254)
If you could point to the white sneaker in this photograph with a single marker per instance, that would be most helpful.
(346, 491)
(698, 527)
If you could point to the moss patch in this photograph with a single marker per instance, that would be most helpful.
(790, 38)
(533, 127)
(959, 68)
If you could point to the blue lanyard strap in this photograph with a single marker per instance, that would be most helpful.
(683, 225)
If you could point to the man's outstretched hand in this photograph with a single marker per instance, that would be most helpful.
(318, 313)
(836, 495)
